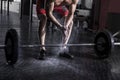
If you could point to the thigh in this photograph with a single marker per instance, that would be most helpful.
(42, 17)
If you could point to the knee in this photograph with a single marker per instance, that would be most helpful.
(71, 22)
(44, 17)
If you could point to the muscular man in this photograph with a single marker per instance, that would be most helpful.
(60, 7)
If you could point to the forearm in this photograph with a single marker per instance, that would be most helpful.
(69, 19)
(54, 20)
(70, 15)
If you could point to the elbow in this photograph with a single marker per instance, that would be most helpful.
(49, 14)
(71, 14)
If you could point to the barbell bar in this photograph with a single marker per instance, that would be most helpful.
(69, 45)
(2, 46)
(103, 45)
(53, 45)
(59, 45)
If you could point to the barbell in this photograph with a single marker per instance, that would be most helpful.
(103, 45)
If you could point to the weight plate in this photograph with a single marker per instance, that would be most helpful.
(104, 44)
(11, 48)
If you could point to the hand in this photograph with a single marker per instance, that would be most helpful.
(62, 28)
(64, 31)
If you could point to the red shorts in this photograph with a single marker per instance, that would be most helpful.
(41, 11)
(60, 9)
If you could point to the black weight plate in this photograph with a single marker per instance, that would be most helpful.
(11, 48)
(103, 44)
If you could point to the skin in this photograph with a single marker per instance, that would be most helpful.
(67, 27)
(42, 32)
(42, 25)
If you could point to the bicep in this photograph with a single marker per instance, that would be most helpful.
(51, 7)
(72, 7)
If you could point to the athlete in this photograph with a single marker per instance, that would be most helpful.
(60, 7)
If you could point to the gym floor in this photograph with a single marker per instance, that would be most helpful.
(85, 65)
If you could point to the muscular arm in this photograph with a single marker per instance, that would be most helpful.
(70, 16)
(51, 16)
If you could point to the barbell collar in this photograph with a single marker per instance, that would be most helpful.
(116, 43)
(115, 34)
(2, 46)
(57, 45)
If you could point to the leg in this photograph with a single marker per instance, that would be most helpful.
(66, 37)
(42, 34)
(67, 34)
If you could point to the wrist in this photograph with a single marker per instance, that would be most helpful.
(60, 25)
